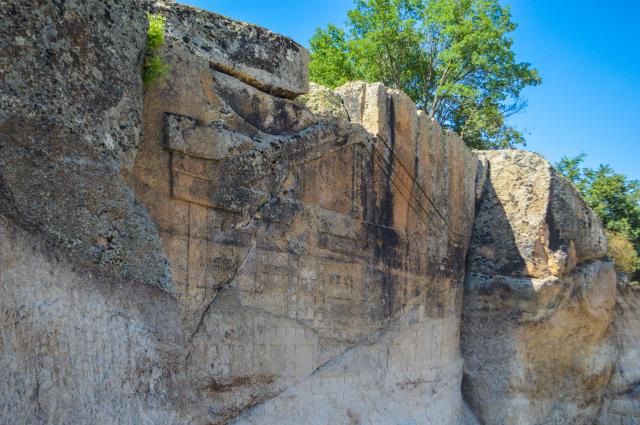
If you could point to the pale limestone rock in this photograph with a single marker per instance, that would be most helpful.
(318, 256)
(323, 101)
(539, 351)
(539, 300)
(77, 348)
(210, 141)
(622, 400)
(366, 104)
(302, 300)
(532, 222)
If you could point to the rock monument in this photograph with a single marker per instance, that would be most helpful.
(235, 245)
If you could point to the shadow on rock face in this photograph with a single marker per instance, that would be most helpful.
(536, 323)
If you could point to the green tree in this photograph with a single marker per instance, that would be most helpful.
(454, 58)
(611, 195)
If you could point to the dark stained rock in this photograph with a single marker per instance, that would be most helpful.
(70, 122)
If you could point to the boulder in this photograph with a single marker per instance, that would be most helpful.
(531, 221)
(539, 298)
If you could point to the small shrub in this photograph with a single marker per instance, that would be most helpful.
(154, 67)
(623, 253)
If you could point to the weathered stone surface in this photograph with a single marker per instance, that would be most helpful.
(318, 255)
(269, 114)
(70, 118)
(622, 400)
(323, 101)
(291, 236)
(538, 302)
(78, 349)
(531, 221)
(539, 351)
(364, 105)
(271, 62)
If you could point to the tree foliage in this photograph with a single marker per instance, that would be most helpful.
(454, 58)
(611, 195)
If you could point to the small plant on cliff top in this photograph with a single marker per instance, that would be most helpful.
(154, 68)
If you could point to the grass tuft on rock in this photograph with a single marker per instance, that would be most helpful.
(154, 67)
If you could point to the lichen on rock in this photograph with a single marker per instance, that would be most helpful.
(70, 123)
(323, 101)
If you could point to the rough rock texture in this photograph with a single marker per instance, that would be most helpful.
(252, 259)
(70, 120)
(78, 349)
(538, 303)
(622, 401)
(319, 266)
(531, 222)
(271, 62)
(323, 101)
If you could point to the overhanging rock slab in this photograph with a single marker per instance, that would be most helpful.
(255, 55)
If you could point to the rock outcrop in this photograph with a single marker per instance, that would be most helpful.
(622, 399)
(539, 298)
(221, 250)
(319, 264)
(70, 122)
(531, 222)
(268, 61)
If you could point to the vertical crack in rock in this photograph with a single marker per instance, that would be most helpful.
(40, 412)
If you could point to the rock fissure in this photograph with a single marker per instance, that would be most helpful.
(219, 291)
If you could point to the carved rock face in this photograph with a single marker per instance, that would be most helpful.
(256, 261)
(316, 263)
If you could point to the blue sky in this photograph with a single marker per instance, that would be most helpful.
(587, 52)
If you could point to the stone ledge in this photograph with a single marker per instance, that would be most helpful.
(268, 61)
